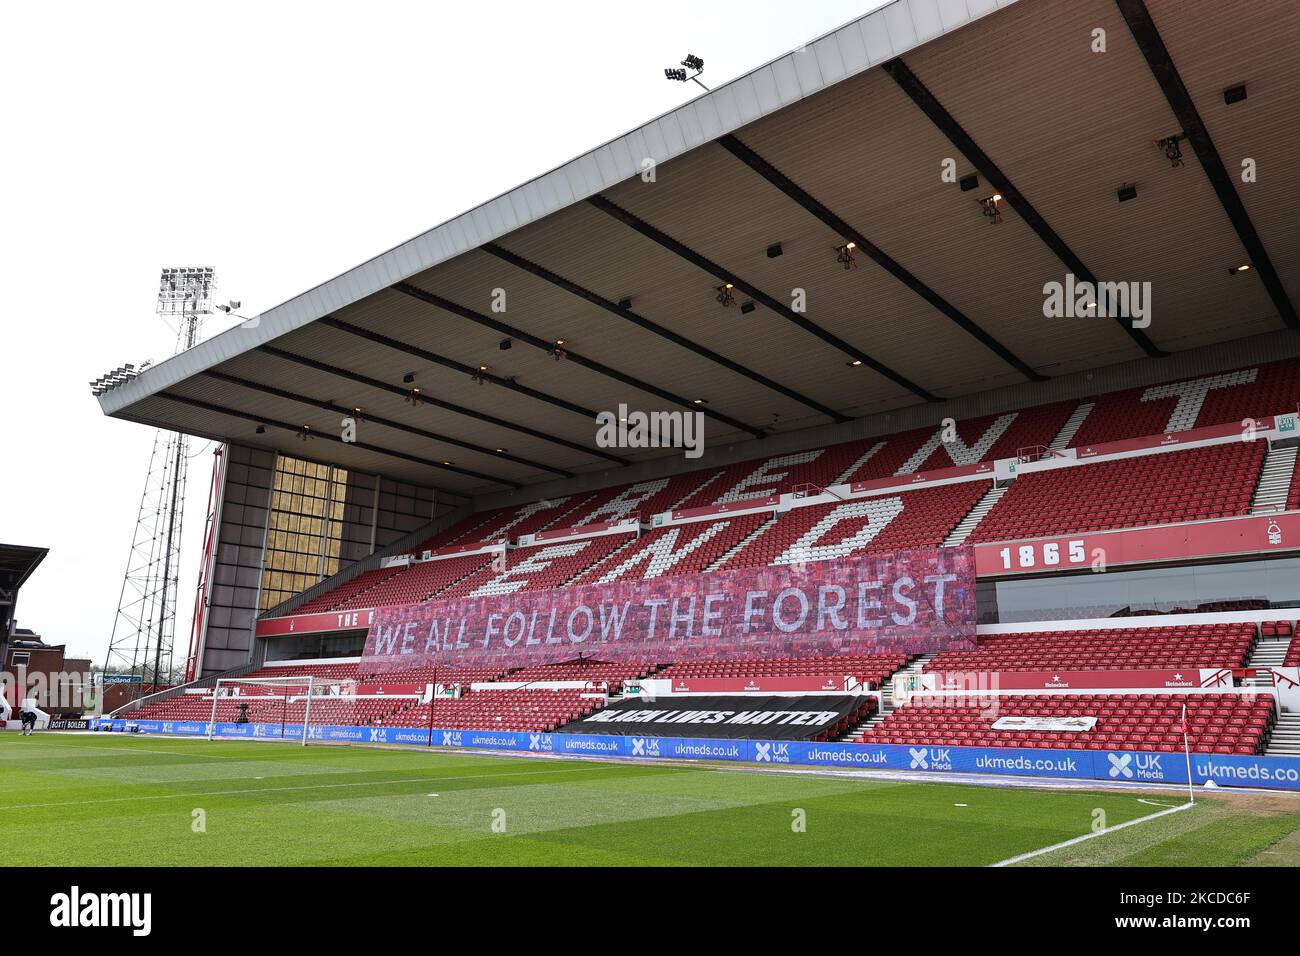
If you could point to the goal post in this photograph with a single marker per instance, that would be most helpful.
(282, 707)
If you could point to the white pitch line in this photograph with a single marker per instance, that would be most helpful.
(1089, 836)
(1157, 803)
(143, 749)
(135, 750)
(318, 786)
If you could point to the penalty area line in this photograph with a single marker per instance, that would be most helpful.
(1090, 836)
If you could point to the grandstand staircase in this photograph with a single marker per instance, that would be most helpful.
(886, 698)
(1071, 427)
(1284, 741)
(464, 577)
(1274, 480)
(744, 543)
(913, 667)
(862, 726)
(967, 525)
(847, 474)
(1268, 652)
(610, 559)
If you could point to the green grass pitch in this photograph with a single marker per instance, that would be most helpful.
(86, 800)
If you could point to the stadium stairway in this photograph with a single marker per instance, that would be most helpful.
(1274, 482)
(744, 543)
(968, 524)
(858, 727)
(1071, 427)
(1285, 739)
(915, 666)
(874, 716)
(886, 699)
(887, 705)
(1269, 651)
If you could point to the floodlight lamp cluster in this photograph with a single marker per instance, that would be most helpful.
(689, 71)
(111, 380)
(183, 289)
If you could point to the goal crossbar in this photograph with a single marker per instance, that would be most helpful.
(287, 690)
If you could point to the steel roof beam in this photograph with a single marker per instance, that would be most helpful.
(427, 399)
(780, 308)
(926, 101)
(435, 359)
(386, 422)
(377, 449)
(873, 252)
(654, 328)
(1162, 66)
(537, 342)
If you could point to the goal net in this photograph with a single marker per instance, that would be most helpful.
(286, 707)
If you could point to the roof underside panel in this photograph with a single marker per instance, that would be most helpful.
(1215, 46)
(1070, 130)
(941, 303)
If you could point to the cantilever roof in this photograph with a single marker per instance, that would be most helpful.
(17, 562)
(842, 141)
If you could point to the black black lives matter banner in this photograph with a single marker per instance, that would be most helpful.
(731, 717)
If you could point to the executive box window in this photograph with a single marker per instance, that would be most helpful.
(315, 646)
(1228, 586)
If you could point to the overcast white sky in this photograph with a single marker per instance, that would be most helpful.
(281, 143)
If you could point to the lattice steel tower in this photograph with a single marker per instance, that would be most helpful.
(145, 626)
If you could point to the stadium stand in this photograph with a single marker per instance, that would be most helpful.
(602, 675)
(1192, 403)
(274, 708)
(344, 670)
(518, 709)
(680, 549)
(1144, 487)
(1217, 723)
(543, 566)
(913, 519)
(1286, 630)
(1191, 485)
(1208, 645)
(870, 669)
(987, 438)
(1235, 723)
(417, 582)
(528, 710)
(348, 590)
(1154, 488)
